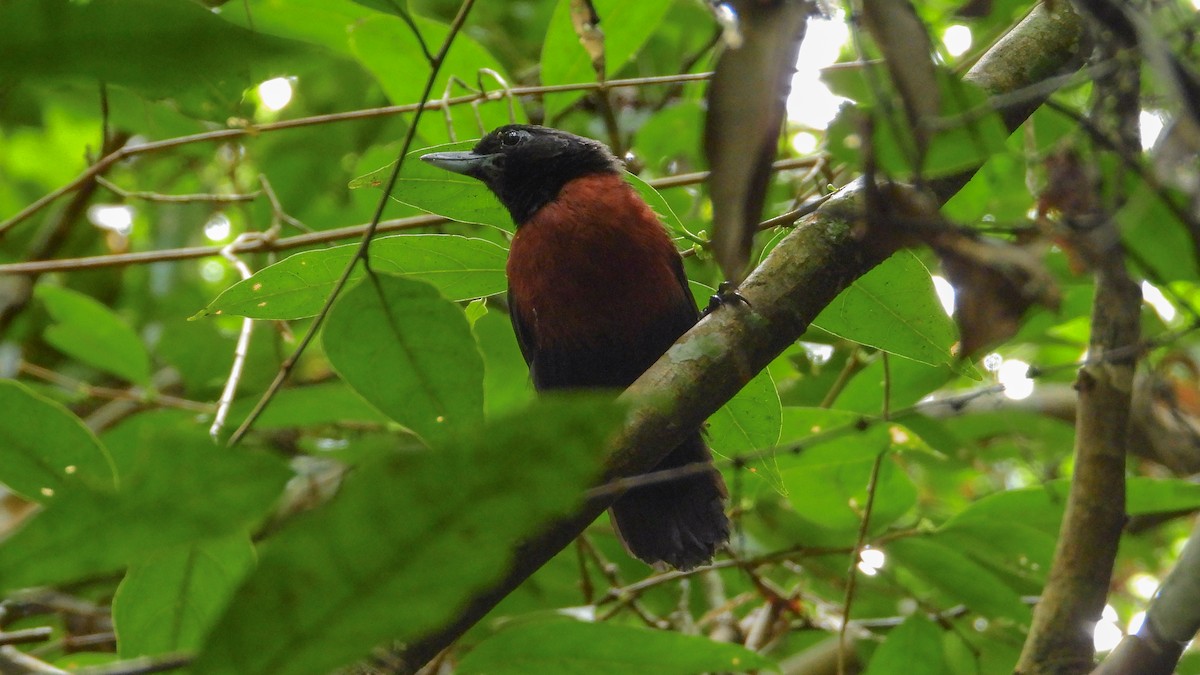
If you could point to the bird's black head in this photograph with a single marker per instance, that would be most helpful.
(526, 165)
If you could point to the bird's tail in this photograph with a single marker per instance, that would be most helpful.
(682, 521)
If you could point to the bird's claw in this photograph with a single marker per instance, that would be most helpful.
(726, 294)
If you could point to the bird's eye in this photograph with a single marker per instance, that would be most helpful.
(511, 137)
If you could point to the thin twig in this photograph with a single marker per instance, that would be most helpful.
(279, 215)
(174, 199)
(361, 254)
(125, 152)
(142, 666)
(108, 393)
(26, 636)
(865, 524)
(309, 239)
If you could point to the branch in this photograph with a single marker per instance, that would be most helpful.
(803, 274)
(1060, 637)
(1172, 620)
(324, 236)
(125, 152)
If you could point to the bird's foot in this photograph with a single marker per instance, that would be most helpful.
(726, 294)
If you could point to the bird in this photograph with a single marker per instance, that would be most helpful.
(597, 293)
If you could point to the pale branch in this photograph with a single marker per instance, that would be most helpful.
(242, 350)
(337, 234)
(158, 197)
(251, 130)
(1172, 619)
(802, 274)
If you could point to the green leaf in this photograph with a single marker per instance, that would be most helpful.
(407, 541)
(750, 422)
(1040, 508)
(386, 47)
(627, 24)
(971, 131)
(566, 647)
(184, 490)
(657, 202)
(167, 602)
(315, 405)
(832, 492)
(94, 334)
(409, 352)
(44, 449)
(1145, 495)
(912, 648)
(506, 383)
(160, 49)
(894, 308)
(450, 195)
(318, 22)
(827, 482)
(910, 381)
(1161, 242)
(963, 579)
(461, 268)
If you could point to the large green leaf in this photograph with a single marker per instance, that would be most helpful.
(506, 382)
(326, 403)
(168, 601)
(319, 22)
(387, 47)
(184, 490)
(94, 334)
(435, 190)
(408, 351)
(961, 578)
(1160, 240)
(157, 48)
(749, 423)
(566, 647)
(913, 648)
(407, 541)
(627, 24)
(44, 449)
(827, 482)
(894, 308)
(461, 268)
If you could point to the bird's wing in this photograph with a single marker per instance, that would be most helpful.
(523, 331)
(681, 275)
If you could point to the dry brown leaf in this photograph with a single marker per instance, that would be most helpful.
(904, 41)
(995, 283)
(746, 103)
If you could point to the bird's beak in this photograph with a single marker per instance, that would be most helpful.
(466, 163)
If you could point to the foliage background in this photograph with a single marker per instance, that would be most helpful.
(147, 539)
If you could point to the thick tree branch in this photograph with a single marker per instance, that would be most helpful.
(1060, 638)
(804, 273)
